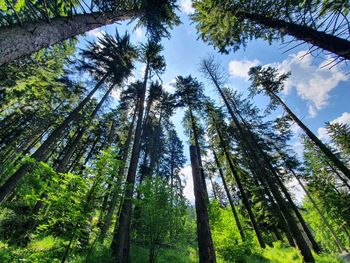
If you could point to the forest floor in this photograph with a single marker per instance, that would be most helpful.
(49, 250)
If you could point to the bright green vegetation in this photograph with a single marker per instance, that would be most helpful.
(49, 248)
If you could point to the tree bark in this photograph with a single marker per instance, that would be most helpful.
(22, 40)
(120, 245)
(252, 144)
(339, 164)
(45, 147)
(62, 167)
(324, 220)
(205, 242)
(121, 172)
(196, 141)
(314, 244)
(229, 197)
(333, 44)
(243, 193)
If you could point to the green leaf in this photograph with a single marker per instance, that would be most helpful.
(20, 4)
(3, 5)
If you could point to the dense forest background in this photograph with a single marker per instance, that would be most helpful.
(92, 153)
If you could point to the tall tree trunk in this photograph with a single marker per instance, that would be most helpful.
(213, 187)
(327, 152)
(333, 44)
(292, 224)
(242, 191)
(324, 220)
(306, 229)
(120, 245)
(230, 110)
(229, 197)
(21, 40)
(46, 146)
(251, 143)
(344, 180)
(266, 195)
(121, 172)
(111, 134)
(205, 242)
(62, 167)
(196, 141)
(92, 150)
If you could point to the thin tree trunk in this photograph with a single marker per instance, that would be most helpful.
(213, 187)
(121, 172)
(62, 165)
(266, 192)
(314, 244)
(45, 147)
(229, 108)
(292, 225)
(120, 245)
(243, 193)
(22, 40)
(339, 164)
(229, 197)
(344, 180)
(107, 143)
(205, 242)
(92, 149)
(333, 44)
(324, 220)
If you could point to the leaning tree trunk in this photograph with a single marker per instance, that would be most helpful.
(21, 40)
(324, 220)
(306, 229)
(281, 202)
(229, 197)
(245, 199)
(120, 245)
(267, 197)
(252, 144)
(121, 172)
(45, 147)
(333, 44)
(62, 165)
(327, 152)
(205, 242)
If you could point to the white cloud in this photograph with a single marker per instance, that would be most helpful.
(186, 6)
(98, 33)
(169, 86)
(116, 93)
(297, 145)
(139, 32)
(296, 190)
(240, 68)
(298, 148)
(296, 129)
(142, 70)
(344, 119)
(313, 83)
(188, 190)
(312, 111)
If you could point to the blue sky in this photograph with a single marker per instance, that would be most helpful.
(316, 93)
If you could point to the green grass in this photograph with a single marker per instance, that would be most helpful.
(49, 250)
(169, 255)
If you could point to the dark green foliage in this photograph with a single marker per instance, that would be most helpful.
(231, 24)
